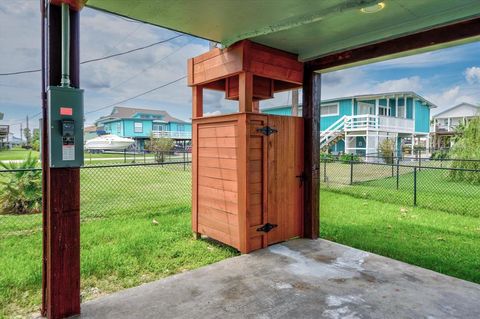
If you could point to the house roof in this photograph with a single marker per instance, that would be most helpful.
(384, 95)
(121, 112)
(309, 28)
(455, 106)
(366, 97)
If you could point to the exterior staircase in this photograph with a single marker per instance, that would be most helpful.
(333, 133)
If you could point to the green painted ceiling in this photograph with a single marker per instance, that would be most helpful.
(309, 28)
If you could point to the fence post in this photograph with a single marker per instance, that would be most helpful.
(415, 186)
(125, 156)
(398, 175)
(325, 170)
(393, 163)
(420, 160)
(144, 158)
(351, 169)
(184, 162)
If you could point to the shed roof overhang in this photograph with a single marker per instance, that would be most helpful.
(310, 28)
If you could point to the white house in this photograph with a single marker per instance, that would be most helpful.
(445, 123)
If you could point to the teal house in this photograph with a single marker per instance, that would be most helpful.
(141, 124)
(358, 124)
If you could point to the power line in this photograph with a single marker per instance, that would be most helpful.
(102, 58)
(137, 96)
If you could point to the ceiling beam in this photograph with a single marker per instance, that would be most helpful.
(391, 48)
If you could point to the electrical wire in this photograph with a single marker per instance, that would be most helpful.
(102, 58)
(137, 96)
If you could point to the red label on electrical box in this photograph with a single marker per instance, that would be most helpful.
(66, 111)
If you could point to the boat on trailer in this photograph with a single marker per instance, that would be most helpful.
(109, 142)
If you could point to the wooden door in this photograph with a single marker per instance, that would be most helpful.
(284, 181)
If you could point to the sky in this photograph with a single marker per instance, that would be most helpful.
(445, 77)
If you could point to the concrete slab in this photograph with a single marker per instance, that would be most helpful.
(297, 279)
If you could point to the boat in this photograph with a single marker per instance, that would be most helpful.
(109, 142)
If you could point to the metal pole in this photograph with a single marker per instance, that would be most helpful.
(351, 169)
(393, 163)
(398, 176)
(415, 186)
(325, 171)
(65, 80)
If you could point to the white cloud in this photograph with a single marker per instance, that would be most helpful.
(413, 83)
(472, 74)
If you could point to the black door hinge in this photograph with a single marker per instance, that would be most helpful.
(267, 227)
(302, 177)
(267, 130)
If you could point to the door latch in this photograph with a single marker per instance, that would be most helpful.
(302, 177)
(267, 130)
(267, 227)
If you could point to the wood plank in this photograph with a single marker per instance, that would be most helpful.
(197, 101)
(243, 198)
(215, 162)
(225, 174)
(255, 215)
(217, 204)
(429, 38)
(217, 142)
(220, 194)
(226, 217)
(255, 154)
(219, 225)
(217, 183)
(220, 236)
(255, 188)
(216, 152)
(218, 131)
(245, 92)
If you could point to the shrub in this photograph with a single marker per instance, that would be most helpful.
(346, 158)
(439, 155)
(466, 154)
(386, 149)
(160, 146)
(326, 157)
(21, 190)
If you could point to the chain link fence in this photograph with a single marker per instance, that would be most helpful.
(107, 191)
(433, 184)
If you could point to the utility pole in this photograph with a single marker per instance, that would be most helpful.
(295, 102)
(27, 136)
(21, 132)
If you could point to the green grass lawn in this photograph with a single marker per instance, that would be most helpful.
(16, 154)
(121, 246)
(434, 189)
(436, 240)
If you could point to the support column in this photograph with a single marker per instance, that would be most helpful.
(311, 116)
(61, 192)
(245, 90)
(197, 101)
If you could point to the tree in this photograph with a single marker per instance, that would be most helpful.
(160, 146)
(28, 135)
(466, 153)
(36, 139)
(386, 149)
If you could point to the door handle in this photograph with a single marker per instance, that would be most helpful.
(302, 177)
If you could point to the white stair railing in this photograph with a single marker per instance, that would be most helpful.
(332, 131)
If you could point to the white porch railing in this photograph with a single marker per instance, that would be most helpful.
(380, 123)
(172, 134)
(332, 131)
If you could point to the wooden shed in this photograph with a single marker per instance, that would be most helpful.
(247, 167)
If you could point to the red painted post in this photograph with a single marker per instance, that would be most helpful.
(61, 192)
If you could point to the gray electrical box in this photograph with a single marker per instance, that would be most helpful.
(65, 120)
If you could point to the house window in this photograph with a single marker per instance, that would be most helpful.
(366, 108)
(180, 127)
(138, 127)
(159, 127)
(383, 110)
(119, 127)
(329, 110)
